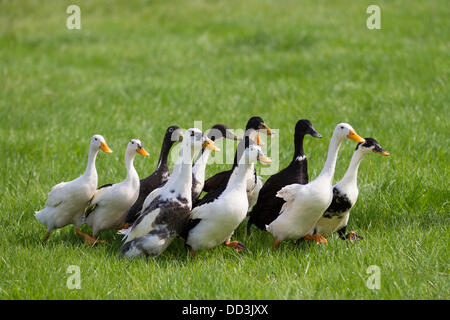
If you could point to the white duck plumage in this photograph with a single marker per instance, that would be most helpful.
(163, 219)
(306, 203)
(213, 223)
(110, 203)
(67, 200)
(345, 194)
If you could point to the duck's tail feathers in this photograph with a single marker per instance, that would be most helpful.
(288, 192)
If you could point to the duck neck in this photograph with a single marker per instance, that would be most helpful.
(199, 166)
(181, 178)
(351, 175)
(90, 168)
(131, 171)
(330, 164)
(164, 154)
(238, 178)
(298, 145)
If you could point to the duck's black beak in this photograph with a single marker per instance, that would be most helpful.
(314, 133)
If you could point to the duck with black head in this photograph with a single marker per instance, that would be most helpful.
(345, 194)
(268, 206)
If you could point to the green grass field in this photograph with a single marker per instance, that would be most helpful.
(137, 67)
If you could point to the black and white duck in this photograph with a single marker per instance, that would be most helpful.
(213, 223)
(345, 194)
(159, 176)
(268, 206)
(164, 218)
(306, 203)
(67, 200)
(108, 207)
(217, 183)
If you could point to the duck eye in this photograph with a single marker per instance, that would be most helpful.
(342, 127)
(95, 139)
(192, 133)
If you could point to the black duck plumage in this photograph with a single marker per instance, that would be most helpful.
(268, 206)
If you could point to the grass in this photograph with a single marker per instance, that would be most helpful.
(137, 67)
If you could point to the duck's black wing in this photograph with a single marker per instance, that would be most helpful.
(217, 181)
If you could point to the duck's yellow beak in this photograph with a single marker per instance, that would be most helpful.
(210, 144)
(142, 152)
(384, 153)
(104, 147)
(354, 136)
(264, 159)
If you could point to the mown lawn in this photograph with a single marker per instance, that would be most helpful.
(137, 67)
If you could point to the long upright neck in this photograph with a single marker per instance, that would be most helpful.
(351, 175)
(90, 168)
(298, 144)
(181, 179)
(131, 171)
(330, 165)
(164, 154)
(199, 166)
(238, 178)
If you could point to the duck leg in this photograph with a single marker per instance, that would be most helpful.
(47, 234)
(351, 236)
(88, 240)
(236, 245)
(124, 226)
(317, 237)
(275, 244)
(192, 254)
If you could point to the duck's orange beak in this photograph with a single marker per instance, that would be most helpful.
(142, 152)
(104, 147)
(210, 144)
(354, 136)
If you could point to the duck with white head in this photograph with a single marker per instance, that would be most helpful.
(109, 206)
(67, 200)
(305, 203)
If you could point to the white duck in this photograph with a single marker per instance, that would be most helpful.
(214, 222)
(110, 204)
(67, 200)
(345, 194)
(164, 218)
(305, 203)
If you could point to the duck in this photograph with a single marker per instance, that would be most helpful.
(213, 223)
(159, 177)
(215, 185)
(305, 203)
(345, 195)
(163, 219)
(217, 132)
(268, 206)
(108, 207)
(67, 201)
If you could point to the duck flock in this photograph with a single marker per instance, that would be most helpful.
(150, 213)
